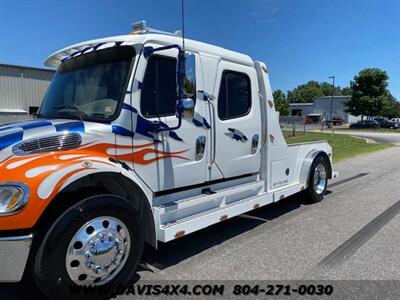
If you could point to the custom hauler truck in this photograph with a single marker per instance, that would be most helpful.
(139, 140)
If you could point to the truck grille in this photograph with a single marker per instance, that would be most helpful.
(48, 144)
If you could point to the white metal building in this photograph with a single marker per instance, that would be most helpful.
(322, 106)
(21, 91)
(301, 109)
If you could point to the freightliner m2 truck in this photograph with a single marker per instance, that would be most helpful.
(141, 139)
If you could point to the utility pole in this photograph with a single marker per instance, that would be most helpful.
(333, 91)
(294, 129)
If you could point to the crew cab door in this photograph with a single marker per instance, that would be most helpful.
(177, 158)
(238, 120)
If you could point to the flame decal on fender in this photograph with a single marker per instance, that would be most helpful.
(139, 156)
(49, 172)
(91, 157)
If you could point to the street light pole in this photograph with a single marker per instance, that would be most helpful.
(294, 129)
(333, 91)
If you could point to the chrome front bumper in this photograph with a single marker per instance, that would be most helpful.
(14, 252)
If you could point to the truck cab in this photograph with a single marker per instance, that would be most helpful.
(139, 140)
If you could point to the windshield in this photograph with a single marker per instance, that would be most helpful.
(90, 86)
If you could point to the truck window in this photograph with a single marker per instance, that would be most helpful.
(234, 99)
(159, 93)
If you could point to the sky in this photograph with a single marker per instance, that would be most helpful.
(299, 40)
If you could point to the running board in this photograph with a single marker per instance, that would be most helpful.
(184, 216)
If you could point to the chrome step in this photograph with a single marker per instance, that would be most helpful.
(181, 227)
(187, 215)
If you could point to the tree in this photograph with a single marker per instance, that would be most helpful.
(328, 90)
(305, 92)
(281, 102)
(346, 91)
(391, 108)
(370, 95)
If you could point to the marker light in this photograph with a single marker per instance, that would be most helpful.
(139, 27)
(13, 197)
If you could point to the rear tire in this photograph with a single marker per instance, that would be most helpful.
(102, 232)
(318, 179)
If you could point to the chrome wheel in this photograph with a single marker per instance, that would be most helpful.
(319, 179)
(98, 251)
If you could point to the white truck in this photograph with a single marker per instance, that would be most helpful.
(139, 140)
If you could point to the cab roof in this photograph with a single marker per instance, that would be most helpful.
(58, 57)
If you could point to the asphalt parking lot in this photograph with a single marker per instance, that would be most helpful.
(291, 240)
(351, 235)
(378, 136)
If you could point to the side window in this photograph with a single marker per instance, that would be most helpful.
(159, 94)
(234, 99)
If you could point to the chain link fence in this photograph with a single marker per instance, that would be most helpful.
(302, 123)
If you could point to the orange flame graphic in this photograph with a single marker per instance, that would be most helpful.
(15, 168)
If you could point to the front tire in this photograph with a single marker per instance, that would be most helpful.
(318, 179)
(97, 242)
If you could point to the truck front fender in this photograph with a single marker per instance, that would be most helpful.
(48, 175)
(114, 183)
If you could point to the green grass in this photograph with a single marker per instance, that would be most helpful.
(344, 147)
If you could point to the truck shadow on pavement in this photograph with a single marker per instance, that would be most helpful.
(172, 253)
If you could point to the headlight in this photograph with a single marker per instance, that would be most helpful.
(13, 197)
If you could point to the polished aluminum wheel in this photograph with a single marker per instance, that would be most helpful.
(98, 251)
(320, 179)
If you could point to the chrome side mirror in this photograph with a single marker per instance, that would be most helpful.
(189, 86)
(186, 85)
(188, 108)
(189, 75)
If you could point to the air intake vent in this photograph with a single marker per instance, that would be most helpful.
(48, 144)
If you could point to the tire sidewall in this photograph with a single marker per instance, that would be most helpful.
(50, 264)
(314, 196)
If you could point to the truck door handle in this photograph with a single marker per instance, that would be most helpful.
(200, 147)
(254, 144)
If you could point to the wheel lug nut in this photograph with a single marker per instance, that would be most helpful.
(111, 237)
(97, 269)
(88, 254)
(120, 251)
(101, 237)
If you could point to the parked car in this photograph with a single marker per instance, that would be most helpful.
(312, 119)
(396, 121)
(365, 124)
(336, 120)
(384, 123)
